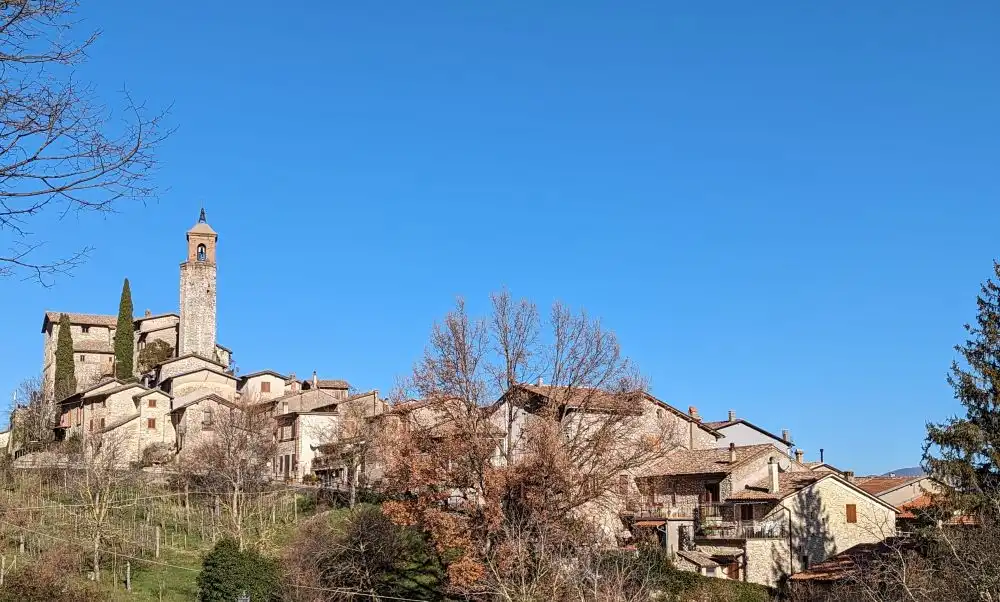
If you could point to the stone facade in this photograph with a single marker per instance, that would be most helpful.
(198, 294)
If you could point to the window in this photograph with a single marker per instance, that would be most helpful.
(746, 512)
(152, 402)
(712, 492)
(206, 418)
(85, 329)
(805, 561)
(79, 416)
(151, 423)
(92, 425)
(201, 252)
(102, 423)
(852, 513)
(284, 407)
(659, 413)
(83, 358)
(265, 387)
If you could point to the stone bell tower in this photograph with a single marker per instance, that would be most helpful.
(197, 327)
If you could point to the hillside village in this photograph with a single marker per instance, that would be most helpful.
(729, 498)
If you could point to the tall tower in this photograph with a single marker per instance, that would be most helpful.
(197, 327)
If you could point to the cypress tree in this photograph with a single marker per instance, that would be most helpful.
(65, 380)
(124, 335)
(964, 452)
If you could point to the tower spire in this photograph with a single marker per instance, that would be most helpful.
(201, 218)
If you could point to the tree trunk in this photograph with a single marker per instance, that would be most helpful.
(97, 555)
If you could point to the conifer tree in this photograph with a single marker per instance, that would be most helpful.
(124, 335)
(65, 380)
(964, 452)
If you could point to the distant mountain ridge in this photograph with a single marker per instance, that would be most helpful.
(912, 471)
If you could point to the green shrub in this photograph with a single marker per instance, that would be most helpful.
(227, 573)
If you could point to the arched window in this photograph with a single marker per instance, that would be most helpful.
(201, 252)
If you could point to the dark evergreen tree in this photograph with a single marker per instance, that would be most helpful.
(964, 451)
(65, 380)
(227, 573)
(125, 336)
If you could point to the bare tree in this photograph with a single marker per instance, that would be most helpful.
(545, 455)
(233, 461)
(106, 480)
(32, 416)
(354, 442)
(59, 150)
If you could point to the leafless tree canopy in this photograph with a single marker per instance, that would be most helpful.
(32, 417)
(61, 150)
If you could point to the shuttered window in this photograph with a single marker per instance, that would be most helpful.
(852, 513)
(151, 423)
(265, 387)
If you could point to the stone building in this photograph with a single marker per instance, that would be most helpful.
(190, 332)
(175, 404)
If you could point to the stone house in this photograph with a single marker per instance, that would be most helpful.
(742, 432)
(308, 421)
(194, 416)
(755, 512)
(137, 415)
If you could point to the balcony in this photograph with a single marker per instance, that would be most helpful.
(742, 530)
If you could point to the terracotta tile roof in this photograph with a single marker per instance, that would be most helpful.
(840, 565)
(93, 347)
(697, 558)
(584, 398)
(334, 383)
(112, 391)
(788, 483)
(880, 485)
(105, 320)
(683, 461)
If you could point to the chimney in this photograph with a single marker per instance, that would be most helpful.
(849, 475)
(315, 380)
(148, 313)
(772, 476)
(693, 411)
(821, 455)
(786, 436)
(798, 455)
(732, 415)
(732, 453)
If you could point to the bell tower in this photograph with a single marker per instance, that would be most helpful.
(197, 326)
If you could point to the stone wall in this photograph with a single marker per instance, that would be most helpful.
(198, 298)
(186, 364)
(766, 560)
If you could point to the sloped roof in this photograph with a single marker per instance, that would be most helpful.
(683, 461)
(880, 485)
(697, 558)
(106, 320)
(840, 565)
(196, 370)
(189, 356)
(247, 377)
(722, 424)
(93, 347)
(194, 397)
(118, 389)
(788, 483)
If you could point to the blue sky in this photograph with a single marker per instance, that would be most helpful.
(785, 210)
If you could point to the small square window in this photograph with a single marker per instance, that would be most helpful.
(83, 358)
(85, 329)
(265, 387)
(852, 513)
(152, 402)
(151, 423)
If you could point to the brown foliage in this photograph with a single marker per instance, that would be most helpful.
(482, 451)
(55, 576)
